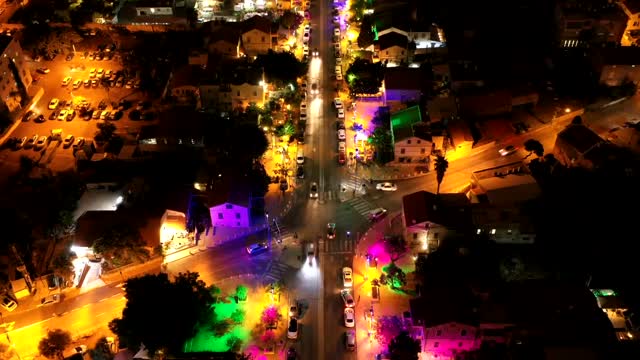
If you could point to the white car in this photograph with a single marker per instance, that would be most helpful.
(349, 317)
(339, 77)
(303, 108)
(77, 84)
(387, 186)
(336, 46)
(336, 32)
(62, 115)
(92, 73)
(340, 113)
(8, 304)
(50, 299)
(53, 104)
(347, 277)
(307, 28)
(292, 331)
(342, 146)
(338, 61)
(376, 214)
(305, 51)
(337, 103)
(66, 81)
(306, 36)
(313, 191)
(506, 151)
(342, 135)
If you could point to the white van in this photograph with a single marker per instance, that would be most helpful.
(300, 157)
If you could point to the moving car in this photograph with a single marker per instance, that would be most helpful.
(506, 151)
(376, 214)
(53, 104)
(387, 186)
(314, 89)
(313, 191)
(347, 277)
(50, 300)
(349, 317)
(292, 330)
(256, 248)
(347, 297)
(66, 81)
(68, 141)
(303, 108)
(315, 52)
(43, 70)
(331, 230)
(8, 304)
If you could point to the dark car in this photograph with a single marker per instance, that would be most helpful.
(292, 354)
(300, 172)
(134, 115)
(117, 115)
(28, 115)
(40, 119)
(53, 116)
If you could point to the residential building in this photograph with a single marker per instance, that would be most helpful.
(498, 196)
(170, 135)
(224, 41)
(614, 66)
(580, 26)
(481, 103)
(577, 145)
(183, 84)
(230, 205)
(168, 13)
(16, 76)
(461, 139)
(403, 85)
(623, 320)
(401, 18)
(154, 7)
(410, 145)
(392, 48)
(632, 32)
(429, 218)
(258, 36)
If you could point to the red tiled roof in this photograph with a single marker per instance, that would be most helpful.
(450, 210)
(401, 78)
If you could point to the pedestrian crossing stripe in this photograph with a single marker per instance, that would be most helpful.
(363, 207)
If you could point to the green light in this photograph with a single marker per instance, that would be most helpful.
(351, 77)
(375, 33)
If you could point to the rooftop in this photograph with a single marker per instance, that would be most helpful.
(235, 191)
(228, 33)
(580, 137)
(510, 189)
(453, 305)
(153, 3)
(401, 78)
(391, 39)
(624, 55)
(4, 41)
(402, 122)
(450, 210)
(257, 23)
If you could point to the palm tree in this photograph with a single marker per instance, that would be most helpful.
(441, 164)
(534, 146)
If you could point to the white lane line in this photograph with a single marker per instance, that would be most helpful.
(102, 313)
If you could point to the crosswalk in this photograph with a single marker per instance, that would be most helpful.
(280, 232)
(275, 272)
(362, 206)
(352, 182)
(339, 245)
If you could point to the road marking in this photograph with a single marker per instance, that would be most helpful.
(105, 299)
(102, 313)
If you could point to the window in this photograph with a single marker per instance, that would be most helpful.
(435, 236)
(402, 151)
(248, 39)
(408, 142)
(255, 93)
(386, 53)
(262, 39)
(220, 216)
(229, 206)
(415, 236)
(436, 344)
(418, 141)
(238, 93)
(463, 333)
(439, 332)
(237, 215)
(402, 52)
(422, 151)
(460, 344)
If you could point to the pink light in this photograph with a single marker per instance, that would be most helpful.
(377, 250)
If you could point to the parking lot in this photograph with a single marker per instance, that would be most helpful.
(55, 156)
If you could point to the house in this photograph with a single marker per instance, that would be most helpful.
(16, 77)
(230, 204)
(461, 139)
(429, 218)
(153, 13)
(258, 36)
(577, 145)
(497, 197)
(403, 85)
(224, 41)
(632, 32)
(410, 145)
(170, 135)
(622, 320)
(237, 88)
(183, 84)
(616, 65)
(582, 26)
(392, 48)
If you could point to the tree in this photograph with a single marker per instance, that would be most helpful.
(382, 118)
(106, 131)
(287, 129)
(381, 140)
(62, 265)
(53, 345)
(280, 68)
(534, 147)
(290, 20)
(102, 350)
(395, 246)
(270, 315)
(387, 328)
(155, 304)
(364, 77)
(121, 244)
(404, 347)
(242, 292)
(358, 7)
(397, 277)
(268, 337)
(366, 36)
(441, 165)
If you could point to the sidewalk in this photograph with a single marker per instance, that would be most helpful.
(391, 303)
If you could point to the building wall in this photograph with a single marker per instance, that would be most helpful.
(185, 93)
(615, 75)
(608, 29)
(568, 156)
(448, 339)
(401, 96)
(394, 54)
(245, 94)
(216, 96)
(412, 150)
(392, 29)
(224, 48)
(429, 238)
(256, 42)
(230, 215)
(507, 233)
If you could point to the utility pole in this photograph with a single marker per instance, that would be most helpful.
(23, 270)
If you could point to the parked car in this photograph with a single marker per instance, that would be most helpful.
(43, 70)
(347, 297)
(68, 141)
(66, 81)
(300, 172)
(337, 103)
(349, 317)
(347, 277)
(20, 144)
(342, 135)
(42, 141)
(331, 230)
(292, 330)
(53, 104)
(78, 143)
(77, 84)
(340, 113)
(39, 119)
(50, 300)
(350, 340)
(293, 310)
(32, 141)
(292, 354)
(62, 115)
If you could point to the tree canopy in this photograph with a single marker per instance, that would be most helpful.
(365, 77)
(53, 345)
(291, 20)
(404, 347)
(281, 68)
(366, 37)
(161, 313)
